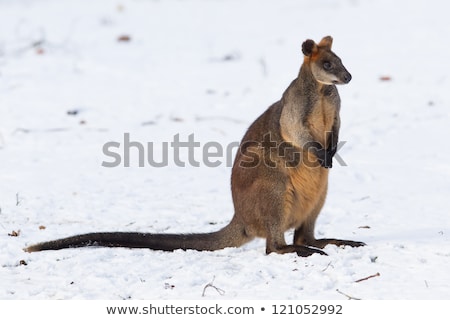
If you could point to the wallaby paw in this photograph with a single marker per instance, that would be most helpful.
(307, 251)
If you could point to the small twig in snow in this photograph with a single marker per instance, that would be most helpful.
(349, 297)
(2, 141)
(329, 264)
(263, 64)
(220, 291)
(14, 233)
(368, 277)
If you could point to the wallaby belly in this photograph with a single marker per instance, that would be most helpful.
(305, 191)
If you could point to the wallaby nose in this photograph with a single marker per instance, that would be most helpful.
(347, 77)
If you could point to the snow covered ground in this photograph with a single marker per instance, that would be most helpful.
(75, 75)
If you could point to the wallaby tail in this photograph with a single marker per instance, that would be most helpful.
(232, 235)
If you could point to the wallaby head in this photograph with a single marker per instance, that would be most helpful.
(326, 67)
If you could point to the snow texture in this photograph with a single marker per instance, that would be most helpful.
(75, 75)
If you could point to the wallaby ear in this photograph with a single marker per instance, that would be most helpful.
(309, 47)
(326, 42)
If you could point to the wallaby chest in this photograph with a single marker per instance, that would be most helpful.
(321, 117)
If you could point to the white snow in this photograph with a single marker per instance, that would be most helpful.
(210, 68)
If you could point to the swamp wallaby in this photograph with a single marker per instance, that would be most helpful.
(280, 174)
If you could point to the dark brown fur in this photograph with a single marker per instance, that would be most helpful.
(280, 175)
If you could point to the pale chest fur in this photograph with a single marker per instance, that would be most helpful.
(321, 119)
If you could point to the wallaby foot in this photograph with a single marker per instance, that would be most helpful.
(302, 251)
(321, 243)
(307, 251)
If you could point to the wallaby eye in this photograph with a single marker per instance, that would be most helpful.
(327, 65)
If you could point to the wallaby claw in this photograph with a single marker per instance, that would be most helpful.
(350, 243)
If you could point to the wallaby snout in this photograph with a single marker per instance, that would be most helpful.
(345, 78)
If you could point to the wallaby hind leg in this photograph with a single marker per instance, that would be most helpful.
(275, 243)
(300, 250)
(261, 207)
(304, 235)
